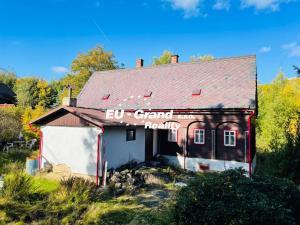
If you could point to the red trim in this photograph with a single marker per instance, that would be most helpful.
(249, 142)
(32, 128)
(40, 150)
(194, 136)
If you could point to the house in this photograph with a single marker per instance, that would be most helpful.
(7, 96)
(199, 116)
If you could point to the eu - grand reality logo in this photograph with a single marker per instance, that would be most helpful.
(146, 118)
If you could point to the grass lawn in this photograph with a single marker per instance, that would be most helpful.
(45, 185)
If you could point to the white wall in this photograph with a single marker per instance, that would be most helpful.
(214, 164)
(118, 151)
(73, 146)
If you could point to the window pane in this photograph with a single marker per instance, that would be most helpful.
(232, 139)
(172, 135)
(130, 134)
(202, 138)
(226, 140)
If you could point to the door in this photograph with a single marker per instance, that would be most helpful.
(148, 144)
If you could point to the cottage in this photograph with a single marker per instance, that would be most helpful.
(212, 103)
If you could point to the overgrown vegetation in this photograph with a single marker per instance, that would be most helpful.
(278, 128)
(13, 160)
(232, 198)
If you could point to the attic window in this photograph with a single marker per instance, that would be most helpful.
(105, 96)
(196, 92)
(147, 94)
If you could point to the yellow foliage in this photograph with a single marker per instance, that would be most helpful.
(28, 115)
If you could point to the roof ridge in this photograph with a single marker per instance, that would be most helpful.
(177, 64)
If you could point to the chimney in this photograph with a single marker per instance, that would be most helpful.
(139, 63)
(174, 59)
(69, 101)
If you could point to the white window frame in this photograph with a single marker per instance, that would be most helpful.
(172, 135)
(199, 132)
(230, 133)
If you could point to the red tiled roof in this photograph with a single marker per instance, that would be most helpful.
(224, 83)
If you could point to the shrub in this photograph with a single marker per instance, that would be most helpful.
(18, 187)
(231, 198)
(20, 200)
(80, 189)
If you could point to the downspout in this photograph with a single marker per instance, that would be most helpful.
(98, 157)
(249, 143)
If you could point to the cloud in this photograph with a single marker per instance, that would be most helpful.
(273, 5)
(222, 5)
(190, 8)
(59, 69)
(265, 49)
(292, 48)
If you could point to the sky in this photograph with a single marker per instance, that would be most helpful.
(41, 38)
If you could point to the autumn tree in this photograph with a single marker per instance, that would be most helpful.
(28, 115)
(32, 91)
(8, 78)
(10, 123)
(96, 59)
(201, 58)
(279, 108)
(164, 58)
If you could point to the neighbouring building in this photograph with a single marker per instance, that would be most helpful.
(7, 96)
(213, 103)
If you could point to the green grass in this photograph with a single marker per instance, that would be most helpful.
(45, 185)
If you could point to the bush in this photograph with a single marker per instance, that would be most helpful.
(20, 200)
(13, 161)
(80, 189)
(69, 203)
(18, 187)
(231, 198)
(284, 162)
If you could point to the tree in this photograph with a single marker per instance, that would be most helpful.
(297, 70)
(201, 58)
(279, 107)
(28, 115)
(10, 124)
(96, 59)
(32, 91)
(8, 78)
(165, 58)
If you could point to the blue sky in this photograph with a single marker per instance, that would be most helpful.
(43, 37)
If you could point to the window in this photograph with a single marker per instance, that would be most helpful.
(130, 134)
(229, 138)
(172, 135)
(196, 92)
(199, 136)
(105, 96)
(147, 94)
